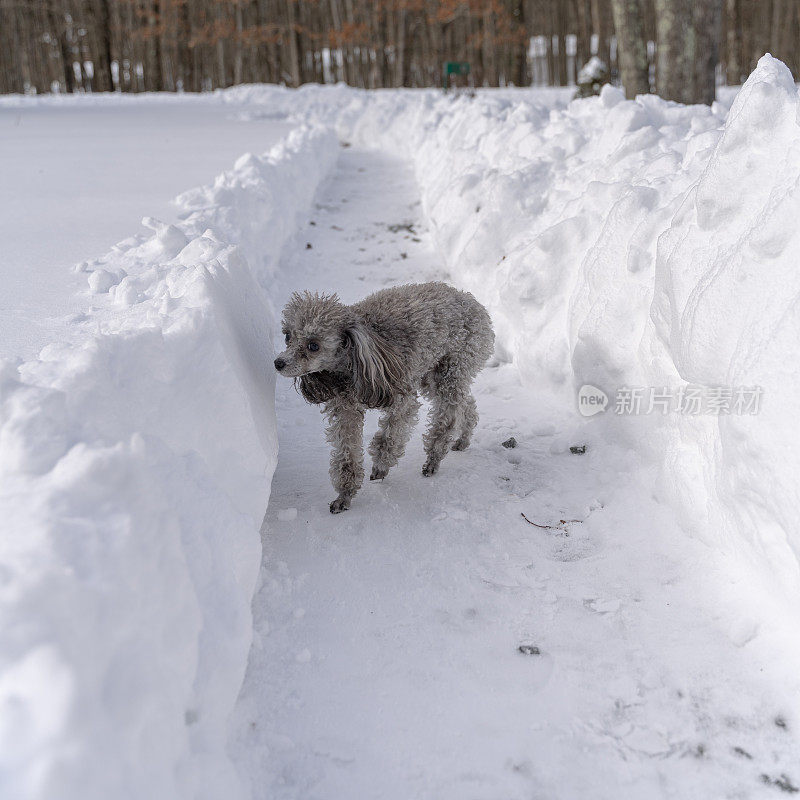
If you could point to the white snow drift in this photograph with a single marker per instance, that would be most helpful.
(639, 244)
(135, 470)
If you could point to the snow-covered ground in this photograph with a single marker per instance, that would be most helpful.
(652, 582)
(77, 176)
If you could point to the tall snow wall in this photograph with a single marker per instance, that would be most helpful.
(136, 460)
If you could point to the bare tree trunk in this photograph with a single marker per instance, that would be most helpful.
(783, 22)
(151, 55)
(237, 58)
(348, 51)
(790, 34)
(675, 49)
(58, 28)
(185, 62)
(489, 67)
(631, 47)
(761, 18)
(7, 54)
(519, 61)
(561, 32)
(707, 24)
(294, 55)
(103, 59)
(688, 49)
(583, 15)
(221, 81)
(775, 27)
(733, 66)
(400, 50)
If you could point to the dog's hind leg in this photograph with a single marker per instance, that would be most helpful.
(444, 417)
(345, 431)
(469, 419)
(394, 431)
(447, 386)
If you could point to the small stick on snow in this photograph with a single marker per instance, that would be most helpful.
(536, 524)
(559, 527)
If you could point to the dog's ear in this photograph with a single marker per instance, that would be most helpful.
(375, 366)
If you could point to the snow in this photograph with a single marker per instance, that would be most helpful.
(530, 622)
(77, 176)
(594, 69)
(136, 462)
(726, 311)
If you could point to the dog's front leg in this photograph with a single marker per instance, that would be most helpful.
(345, 430)
(394, 431)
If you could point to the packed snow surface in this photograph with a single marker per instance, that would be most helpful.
(620, 621)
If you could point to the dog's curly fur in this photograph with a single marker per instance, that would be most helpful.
(382, 352)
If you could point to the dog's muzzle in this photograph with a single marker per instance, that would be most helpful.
(279, 364)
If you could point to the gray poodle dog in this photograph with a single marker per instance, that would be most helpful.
(426, 338)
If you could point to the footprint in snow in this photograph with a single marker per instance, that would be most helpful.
(600, 606)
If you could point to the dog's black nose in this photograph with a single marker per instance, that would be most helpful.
(279, 364)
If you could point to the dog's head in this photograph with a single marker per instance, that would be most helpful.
(312, 328)
(332, 352)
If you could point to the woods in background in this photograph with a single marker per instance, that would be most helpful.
(199, 45)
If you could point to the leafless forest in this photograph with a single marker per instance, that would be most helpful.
(198, 45)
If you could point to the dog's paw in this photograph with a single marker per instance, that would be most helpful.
(341, 503)
(378, 474)
(460, 444)
(430, 469)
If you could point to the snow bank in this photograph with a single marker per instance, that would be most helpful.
(726, 311)
(638, 243)
(135, 463)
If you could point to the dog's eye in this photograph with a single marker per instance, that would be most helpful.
(287, 337)
(313, 347)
